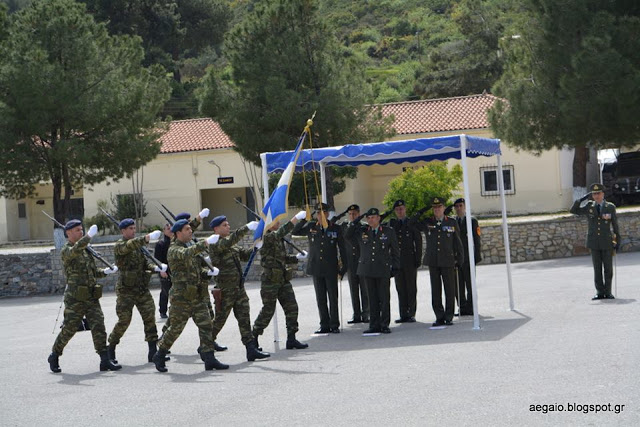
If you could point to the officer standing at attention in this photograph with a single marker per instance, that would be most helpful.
(160, 253)
(322, 265)
(81, 296)
(410, 244)
(444, 252)
(132, 289)
(379, 255)
(187, 299)
(601, 217)
(357, 287)
(465, 297)
(227, 256)
(275, 282)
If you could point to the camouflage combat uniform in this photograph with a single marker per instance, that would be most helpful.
(132, 289)
(226, 255)
(81, 296)
(275, 284)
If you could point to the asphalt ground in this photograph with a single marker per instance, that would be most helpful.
(558, 359)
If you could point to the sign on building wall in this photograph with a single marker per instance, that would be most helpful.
(225, 180)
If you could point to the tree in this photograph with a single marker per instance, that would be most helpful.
(572, 79)
(284, 65)
(76, 105)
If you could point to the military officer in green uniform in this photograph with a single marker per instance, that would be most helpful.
(601, 217)
(81, 296)
(465, 298)
(226, 255)
(275, 282)
(187, 299)
(324, 246)
(444, 252)
(357, 288)
(379, 259)
(410, 244)
(132, 289)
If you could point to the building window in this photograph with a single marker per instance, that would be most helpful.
(489, 180)
(22, 210)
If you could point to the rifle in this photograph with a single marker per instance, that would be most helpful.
(89, 249)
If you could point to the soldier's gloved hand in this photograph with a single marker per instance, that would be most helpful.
(585, 197)
(213, 272)
(448, 210)
(302, 255)
(253, 225)
(301, 215)
(213, 239)
(93, 230)
(259, 244)
(110, 270)
(154, 235)
(204, 213)
(159, 269)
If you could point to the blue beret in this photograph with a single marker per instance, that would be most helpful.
(183, 215)
(217, 221)
(460, 200)
(125, 223)
(179, 225)
(399, 202)
(72, 224)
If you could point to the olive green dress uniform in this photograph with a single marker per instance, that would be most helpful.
(322, 265)
(601, 220)
(379, 254)
(410, 245)
(357, 288)
(465, 297)
(132, 289)
(444, 251)
(81, 296)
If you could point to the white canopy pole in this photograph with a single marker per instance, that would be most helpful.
(470, 231)
(505, 232)
(323, 182)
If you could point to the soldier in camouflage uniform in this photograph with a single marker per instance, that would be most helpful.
(132, 289)
(81, 296)
(226, 255)
(275, 284)
(187, 299)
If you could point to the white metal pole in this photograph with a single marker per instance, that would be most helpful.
(505, 232)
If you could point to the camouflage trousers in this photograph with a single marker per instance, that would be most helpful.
(179, 313)
(207, 300)
(236, 299)
(74, 311)
(124, 309)
(270, 292)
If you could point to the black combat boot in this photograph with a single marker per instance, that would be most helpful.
(293, 343)
(253, 353)
(255, 339)
(53, 362)
(199, 350)
(210, 362)
(112, 352)
(107, 364)
(218, 347)
(159, 358)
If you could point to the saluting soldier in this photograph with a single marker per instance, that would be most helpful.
(81, 296)
(444, 252)
(357, 287)
(322, 265)
(410, 244)
(379, 255)
(132, 288)
(275, 282)
(187, 299)
(601, 217)
(226, 255)
(465, 297)
(160, 253)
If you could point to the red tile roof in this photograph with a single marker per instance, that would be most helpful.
(440, 115)
(194, 135)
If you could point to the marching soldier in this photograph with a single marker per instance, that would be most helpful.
(160, 253)
(187, 299)
(227, 256)
(379, 255)
(276, 285)
(465, 297)
(357, 286)
(81, 296)
(322, 265)
(601, 217)
(444, 252)
(132, 289)
(410, 244)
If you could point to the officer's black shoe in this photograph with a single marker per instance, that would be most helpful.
(334, 330)
(438, 323)
(385, 330)
(456, 314)
(401, 320)
(448, 322)
(354, 319)
(411, 320)
(597, 296)
(159, 358)
(466, 313)
(322, 331)
(294, 344)
(54, 365)
(210, 362)
(609, 296)
(253, 353)
(218, 347)
(112, 352)
(107, 364)
(365, 319)
(372, 331)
